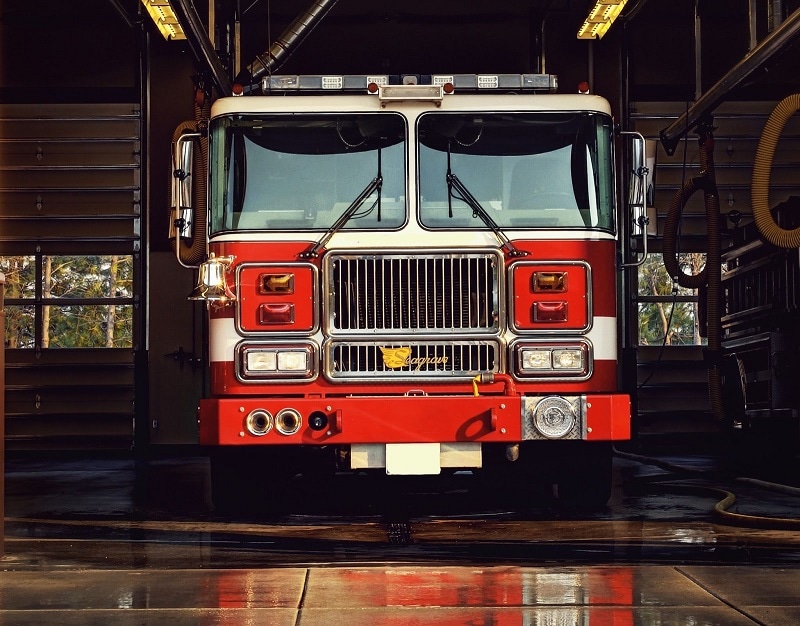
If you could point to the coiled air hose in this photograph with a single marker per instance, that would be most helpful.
(762, 166)
(710, 278)
(720, 512)
(194, 252)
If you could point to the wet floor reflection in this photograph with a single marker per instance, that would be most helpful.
(127, 541)
(617, 595)
(148, 512)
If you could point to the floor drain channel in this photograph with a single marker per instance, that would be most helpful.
(399, 533)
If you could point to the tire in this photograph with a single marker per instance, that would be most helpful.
(248, 479)
(585, 475)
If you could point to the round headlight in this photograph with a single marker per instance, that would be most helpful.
(554, 417)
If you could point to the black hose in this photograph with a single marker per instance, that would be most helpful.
(710, 278)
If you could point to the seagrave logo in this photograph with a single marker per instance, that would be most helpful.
(395, 358)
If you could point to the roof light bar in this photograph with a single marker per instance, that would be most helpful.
(435, 84)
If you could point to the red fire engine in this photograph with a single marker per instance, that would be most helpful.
(412, 274)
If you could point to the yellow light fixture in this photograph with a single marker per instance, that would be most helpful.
(165, 19)
(600, 18)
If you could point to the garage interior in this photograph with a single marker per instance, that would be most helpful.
(106, 487)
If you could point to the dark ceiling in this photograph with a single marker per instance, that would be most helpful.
(55, 49)
(398, 36)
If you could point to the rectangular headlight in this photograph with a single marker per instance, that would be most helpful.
(568, 359)
(293, 361)
(552, 360)
(536, 359)
(263, 362)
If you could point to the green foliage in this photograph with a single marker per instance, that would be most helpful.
(671, 319)
(20, 275)
(94, 283)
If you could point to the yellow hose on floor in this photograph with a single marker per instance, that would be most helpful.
(762, 167)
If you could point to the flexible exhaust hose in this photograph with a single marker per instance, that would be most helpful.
(710, 277)
(194, 252)
(762, 166)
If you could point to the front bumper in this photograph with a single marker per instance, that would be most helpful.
(402, 419)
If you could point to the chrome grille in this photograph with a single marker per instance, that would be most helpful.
(400, 293)
(412, 360)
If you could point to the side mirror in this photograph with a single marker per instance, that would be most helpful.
(640, 189)
(181, 187)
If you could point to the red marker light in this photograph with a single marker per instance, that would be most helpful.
(448, 88)
(550, 311)
(583, 87)
(372, 88)
(237, 89)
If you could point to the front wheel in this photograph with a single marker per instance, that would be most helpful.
(249, 479)
(584, 474)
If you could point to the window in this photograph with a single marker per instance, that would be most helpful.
(69, 301)
(527, 170)
(302, 172)
(666, 317)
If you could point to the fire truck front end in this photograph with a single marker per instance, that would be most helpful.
(413, 276)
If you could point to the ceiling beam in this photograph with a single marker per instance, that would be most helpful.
(202, 48)
(755, 59)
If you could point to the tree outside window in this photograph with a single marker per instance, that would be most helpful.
(667, 312)
(69, 301)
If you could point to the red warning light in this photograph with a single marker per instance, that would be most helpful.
(448, 88)
(583, 87)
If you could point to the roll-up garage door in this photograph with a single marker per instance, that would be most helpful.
(71, 252)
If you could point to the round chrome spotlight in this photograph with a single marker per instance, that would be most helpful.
(288, 421)
(554, 417)
(259, 422)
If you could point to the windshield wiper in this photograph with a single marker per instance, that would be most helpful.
(454, 182)
(374, 185)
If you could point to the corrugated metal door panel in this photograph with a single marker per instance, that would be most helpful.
(83, 230)
(70, 193)
(49, 204)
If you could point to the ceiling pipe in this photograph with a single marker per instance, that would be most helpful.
(123, 13)
(202, 48)
(281, 49)
(752, 11)
(774, 14)
(756, 58)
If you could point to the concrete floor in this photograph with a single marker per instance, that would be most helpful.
(124, 541)
(406, 595)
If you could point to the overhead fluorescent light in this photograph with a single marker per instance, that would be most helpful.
(165, 19)
(600, 18)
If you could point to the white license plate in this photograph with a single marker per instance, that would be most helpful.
(413, 458)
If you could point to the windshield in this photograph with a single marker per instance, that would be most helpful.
(302, 172)
(527, 170)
